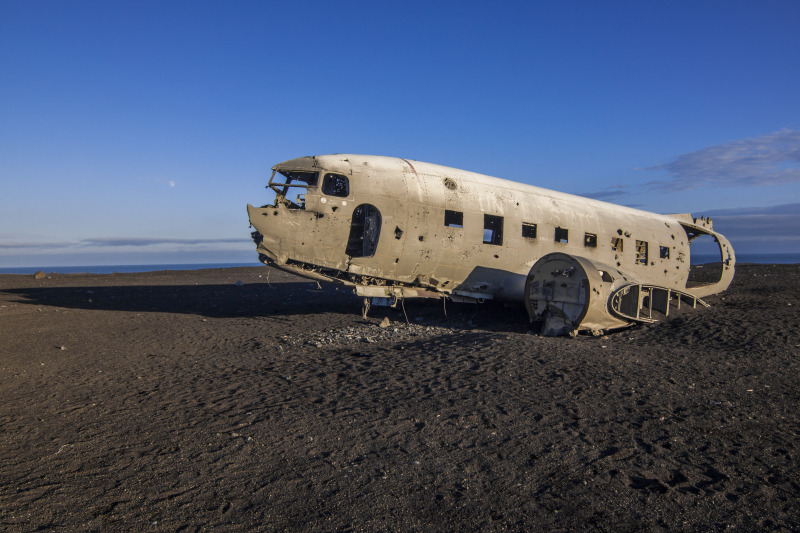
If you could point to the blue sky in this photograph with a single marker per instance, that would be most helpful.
(136, 132)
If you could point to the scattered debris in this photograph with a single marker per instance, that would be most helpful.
(366, 333)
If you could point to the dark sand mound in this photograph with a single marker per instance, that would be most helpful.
(182, 401)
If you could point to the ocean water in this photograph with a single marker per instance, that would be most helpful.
(776, 259)
(122, 269)
(763, 259)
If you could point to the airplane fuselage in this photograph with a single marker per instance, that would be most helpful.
(397, 228)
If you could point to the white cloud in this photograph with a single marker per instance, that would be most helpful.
(771, 159)
(760, 229)
(610, 193)
(148, 241)
(123, 245)
(778, 223)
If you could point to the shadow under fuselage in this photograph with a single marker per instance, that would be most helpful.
(252, 300)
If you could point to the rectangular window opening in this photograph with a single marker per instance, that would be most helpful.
(528, 230)
(562, 235)
(336, 185)
(453, 219)
(641, 252)
(616, 244)
(590, 240)
(664, 252)
(492, 230)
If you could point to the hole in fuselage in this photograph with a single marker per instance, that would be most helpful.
(365, 230)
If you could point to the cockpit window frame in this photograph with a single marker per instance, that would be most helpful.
(292, 179)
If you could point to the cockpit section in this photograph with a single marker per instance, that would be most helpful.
(312, 219)
(291, 186)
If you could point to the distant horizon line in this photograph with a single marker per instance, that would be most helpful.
(123, 268)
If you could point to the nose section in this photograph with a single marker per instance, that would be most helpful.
(255, 214)
(266, 239)
(251, 213)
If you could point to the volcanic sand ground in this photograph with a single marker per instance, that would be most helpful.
(185, 401)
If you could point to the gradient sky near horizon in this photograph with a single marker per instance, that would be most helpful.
(136, 132)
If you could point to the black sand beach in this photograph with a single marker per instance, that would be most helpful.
(185, 401)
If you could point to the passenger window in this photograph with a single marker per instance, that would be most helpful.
(562, 235)
(664, 252)
(590, 240)
(453, 219)
(336, 185)
(616, 244)
(641, 252)
(528, 230)
(492, 230)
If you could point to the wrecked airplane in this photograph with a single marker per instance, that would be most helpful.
(393, 228)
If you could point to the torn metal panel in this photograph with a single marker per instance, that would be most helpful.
(396, 228)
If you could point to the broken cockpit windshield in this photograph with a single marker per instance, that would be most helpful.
(290, 187)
